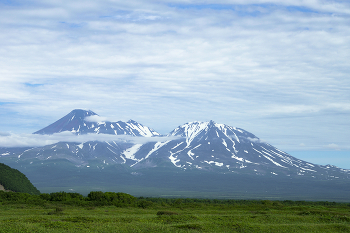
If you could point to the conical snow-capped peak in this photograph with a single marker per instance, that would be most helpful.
(71, 122)
(85, 121)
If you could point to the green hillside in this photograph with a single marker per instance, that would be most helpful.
(15, 181)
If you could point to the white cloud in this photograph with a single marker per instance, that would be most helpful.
(95, 118)
(37, 140)
(256, 140)
(333, 146)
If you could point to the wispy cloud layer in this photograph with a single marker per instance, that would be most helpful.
(37, 140)
(279, 69)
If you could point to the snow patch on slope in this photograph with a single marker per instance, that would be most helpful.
(130, 153)
(156, 147)
(174, 160)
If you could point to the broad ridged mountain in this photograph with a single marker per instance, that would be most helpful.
(196, 145)
(192, 148)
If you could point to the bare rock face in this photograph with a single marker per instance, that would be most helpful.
(3, 189)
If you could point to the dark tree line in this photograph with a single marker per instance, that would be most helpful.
(99, 198)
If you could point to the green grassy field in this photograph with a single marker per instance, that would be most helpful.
(175, 215)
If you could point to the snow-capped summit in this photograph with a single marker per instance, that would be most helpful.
(203, 130)
(85, 121)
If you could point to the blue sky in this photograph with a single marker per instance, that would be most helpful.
(278, 69)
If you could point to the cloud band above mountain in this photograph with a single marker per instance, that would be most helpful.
(37, 140)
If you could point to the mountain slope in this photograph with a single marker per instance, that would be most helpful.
(80, 154)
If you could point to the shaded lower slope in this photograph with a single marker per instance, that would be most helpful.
(14, 180)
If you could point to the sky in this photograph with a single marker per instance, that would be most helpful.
(278, 69)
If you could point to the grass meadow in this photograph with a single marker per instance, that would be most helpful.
(172, 215)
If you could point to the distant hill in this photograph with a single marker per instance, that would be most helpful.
(13, 180)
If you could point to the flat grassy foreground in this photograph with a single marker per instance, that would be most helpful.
(23, 218)
(36, 214)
